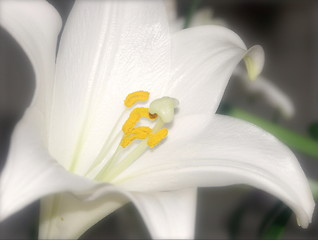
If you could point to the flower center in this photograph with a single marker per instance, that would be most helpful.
(161, 111)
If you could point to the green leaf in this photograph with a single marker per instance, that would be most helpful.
(277, 227)
(314, 187)
(294, 140)
(313, 130)
(269, 217)
(236, 219)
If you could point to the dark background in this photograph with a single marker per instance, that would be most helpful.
(288, 31)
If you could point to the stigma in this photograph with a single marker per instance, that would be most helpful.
(164, 107)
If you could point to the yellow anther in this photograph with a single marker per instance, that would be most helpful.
(134, 97)
(134, 117)
(136, 133)
(163, 107)
(156, 138)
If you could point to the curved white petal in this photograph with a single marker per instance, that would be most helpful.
(168, 215)
(35, 25)
(30, 172)
(229, 151)
(108, 49)
(66, 216)
(203, 59)
(273, 95)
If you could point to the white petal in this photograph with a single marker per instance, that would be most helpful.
(168, 215)
(203, 60)
(108, 49)
(229, 151)
(272, 94)
(35, 25)
(65, 216)
(30, 173)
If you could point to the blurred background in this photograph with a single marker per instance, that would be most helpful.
(288, 31)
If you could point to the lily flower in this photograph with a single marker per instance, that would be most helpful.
(88, 143)
(263, 86)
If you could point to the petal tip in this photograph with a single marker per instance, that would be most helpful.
(305, 218)
(254, 61)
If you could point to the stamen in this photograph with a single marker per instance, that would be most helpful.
(134, 117)
(130, 132)
(107, 145)
(160, 109)
(136, 133)
(111, 162)
(126, 162)
(134, 97)
(155, 138)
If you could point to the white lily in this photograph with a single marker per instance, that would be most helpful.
(274, 96)
(67, 143)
